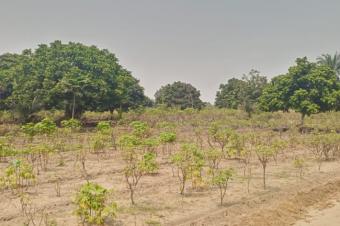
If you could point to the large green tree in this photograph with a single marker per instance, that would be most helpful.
(241, 93)
(307, 88)
(72, 76)
(331, 61)
(179, 94)
(231, 94)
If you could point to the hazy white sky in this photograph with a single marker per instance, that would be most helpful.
(204, 42)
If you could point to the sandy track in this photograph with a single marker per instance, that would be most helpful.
(326, 217)
(275, 209)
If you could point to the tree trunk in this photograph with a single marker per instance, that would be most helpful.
(131, 196)
(249, 178)
(73, 105)
(222, 196)
(264, 176)
(183, 185)
(120, 112)
(302, 119)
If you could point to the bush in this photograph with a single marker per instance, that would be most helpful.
(72, 124)
(103, 126)
(92, 204)
(18, 175)
(221, 180)
(7, 117)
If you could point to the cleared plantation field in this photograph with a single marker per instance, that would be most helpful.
(301, 169)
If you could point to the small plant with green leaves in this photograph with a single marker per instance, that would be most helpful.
(237, 145)
(72, 124)
(18, 175)
(140, 129)
(45, 127)
(222, 137)
(299, 164)
(221, 179)
(136, 168)
(199, 134)
(98, 143)
(213, 158)
(29, 130)
(322, 146)
(39, 155)
(137, 162)
(167, 139)
(264, 154)
(150, 144)
(94, 204)
(278, 145)
(104, 127)
(5, 151)
(189, 161)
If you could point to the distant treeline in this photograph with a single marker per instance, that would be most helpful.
(78, 78)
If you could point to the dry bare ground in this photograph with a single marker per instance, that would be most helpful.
(287, 198)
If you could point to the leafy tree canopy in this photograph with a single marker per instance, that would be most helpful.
(241, 93)
(331, 61)
(307, 88)
(72, 76)
(179, 94)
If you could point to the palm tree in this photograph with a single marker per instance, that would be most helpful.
(331, 61)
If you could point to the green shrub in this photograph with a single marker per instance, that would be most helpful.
(92, 204)
(72, 124)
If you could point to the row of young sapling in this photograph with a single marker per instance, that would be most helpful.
(198, 161)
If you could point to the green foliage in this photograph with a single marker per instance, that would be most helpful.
(140, 129)
(6, 150)
(241, 93)
(308, 88)
(29, 129)
(92, 204)
(189, 161)
(299, 164)
(129, 142)
(150, 144)
(221, 179)
(137, 153)
(72, 124)
(136, 166)
(180, 95)
(99, 142)
(324, 146)
(167, 137)
(148, 164)
(264, 152)
(18, 175)
(223, 137)
(46, 126)
(231, 95)
(6, 116)
(71, 77)
(103, 126)
(39, 154)
(332, 62)
(213, 157)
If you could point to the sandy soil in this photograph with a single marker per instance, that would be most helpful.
(285, 201)
(326, 217)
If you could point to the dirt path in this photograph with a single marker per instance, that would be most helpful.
(272, 210)
(325, 217)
